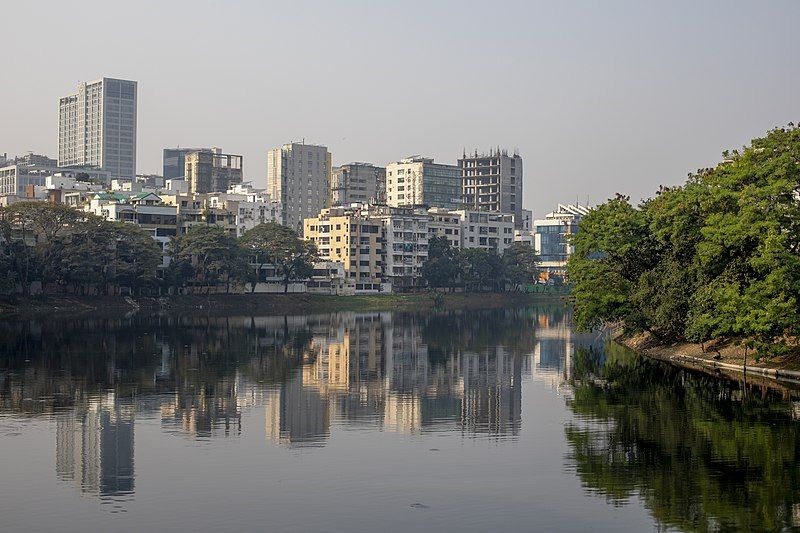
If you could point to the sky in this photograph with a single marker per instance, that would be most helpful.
(598, 97)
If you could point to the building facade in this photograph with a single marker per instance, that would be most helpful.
(406, 244)
(466, 229)
(17, 179)
(418, 181)
(212, 171)
(348, 235)
(362, 183)
(493, 182)
(299, 175)
(97, 127)
(174, 161)
(551, 237)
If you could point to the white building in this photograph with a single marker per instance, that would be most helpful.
(143, 209)
(298, 176)
(551, 236)
(473, 229)
(406, 235)
(250, 209)
(418, 181)
(97, 127)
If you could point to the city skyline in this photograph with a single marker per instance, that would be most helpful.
(597, 99)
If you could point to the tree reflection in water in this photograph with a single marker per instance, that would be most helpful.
(702, 454)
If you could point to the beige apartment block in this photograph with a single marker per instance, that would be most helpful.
(418, 181)
(350, 237)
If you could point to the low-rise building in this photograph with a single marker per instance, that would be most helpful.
(146, 210)
(473, 229)
(445, 223)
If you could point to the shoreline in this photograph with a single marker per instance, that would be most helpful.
(265, 304)
(721, 360)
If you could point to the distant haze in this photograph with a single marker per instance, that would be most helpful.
(598, 97)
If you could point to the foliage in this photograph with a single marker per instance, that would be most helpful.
(716, 257)
(279, 245)
(206, 256)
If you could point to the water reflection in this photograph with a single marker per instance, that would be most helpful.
(396, 372)
(702, 454)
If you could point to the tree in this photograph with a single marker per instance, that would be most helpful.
(519, 261)
(718, 257)
(482, 268)
(280, 246)
(207, 254)
(443, 265)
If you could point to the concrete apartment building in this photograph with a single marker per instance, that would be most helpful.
(493, 182)
(473, 229)
(418, 181)
(212, 171)
(174, 160)
(348, 235)
(97, 127)
(362, 183)
(18, 179)
(550, 236)
(299, 176)
(406, 244)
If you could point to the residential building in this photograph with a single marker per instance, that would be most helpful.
(146, 210)
(493, 182)
(174, 160)
(551, 236)
(97, 127)
(472, 229)
(362, 183)
(488, 231)
(348, 235)
(299, 176)
(212, 171)
(418, 181)
(445, 223)
(406, 244)
(250, 209)
(17, 179)
(194, 210)
(35, 160)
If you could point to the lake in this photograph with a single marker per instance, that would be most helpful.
(487, 420)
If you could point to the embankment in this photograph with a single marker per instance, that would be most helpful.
(264, 304)
(724, 359)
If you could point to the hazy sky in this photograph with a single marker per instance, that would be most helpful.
(599, 97)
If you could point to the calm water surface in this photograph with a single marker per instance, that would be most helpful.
(459, 421)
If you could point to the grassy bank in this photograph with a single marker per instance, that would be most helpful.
(264, 304)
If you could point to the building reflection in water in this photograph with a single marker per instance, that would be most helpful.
(408, 373)
(94, 448)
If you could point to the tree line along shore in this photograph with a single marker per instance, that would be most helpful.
(55, 250)
(715, 261)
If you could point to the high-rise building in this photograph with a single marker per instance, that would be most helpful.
(97, 127)
(362, 183)
(174, 161)
(493, 182)
(299, 175)
(212, 171)
(418, 181)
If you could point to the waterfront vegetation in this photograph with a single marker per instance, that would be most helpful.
(71, 251)
(715, 258)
